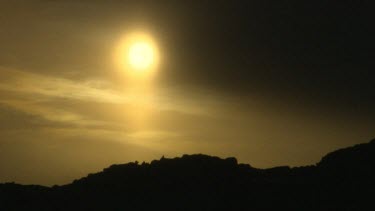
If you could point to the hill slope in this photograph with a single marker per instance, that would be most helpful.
(342, 180)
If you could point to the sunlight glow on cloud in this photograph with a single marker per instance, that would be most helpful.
(62, 101)
(146, 125)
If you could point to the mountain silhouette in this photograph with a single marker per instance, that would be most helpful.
(342, 180)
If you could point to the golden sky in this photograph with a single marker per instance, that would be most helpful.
(66, 109)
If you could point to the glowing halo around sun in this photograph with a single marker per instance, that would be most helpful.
(138, 54)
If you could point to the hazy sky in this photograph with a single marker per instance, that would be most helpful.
(269, 82)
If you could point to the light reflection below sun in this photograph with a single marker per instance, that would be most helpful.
(137, 58)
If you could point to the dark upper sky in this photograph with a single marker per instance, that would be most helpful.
(319, 51)
(270, 82)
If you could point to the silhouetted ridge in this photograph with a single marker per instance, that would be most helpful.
(187, 169)
(359, 159)
(342, 180)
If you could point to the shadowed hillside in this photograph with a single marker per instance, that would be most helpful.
(342, 180)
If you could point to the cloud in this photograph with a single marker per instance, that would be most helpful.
(93, 105)
(248, 79)
(16, 120)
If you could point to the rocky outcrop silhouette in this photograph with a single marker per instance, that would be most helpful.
(342, 180)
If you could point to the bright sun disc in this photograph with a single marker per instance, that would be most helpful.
(141, 55)
(137, 54)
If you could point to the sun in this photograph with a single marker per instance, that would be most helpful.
(137, 54)
(141, 55)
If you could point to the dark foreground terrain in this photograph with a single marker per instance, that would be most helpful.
(342, 180)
